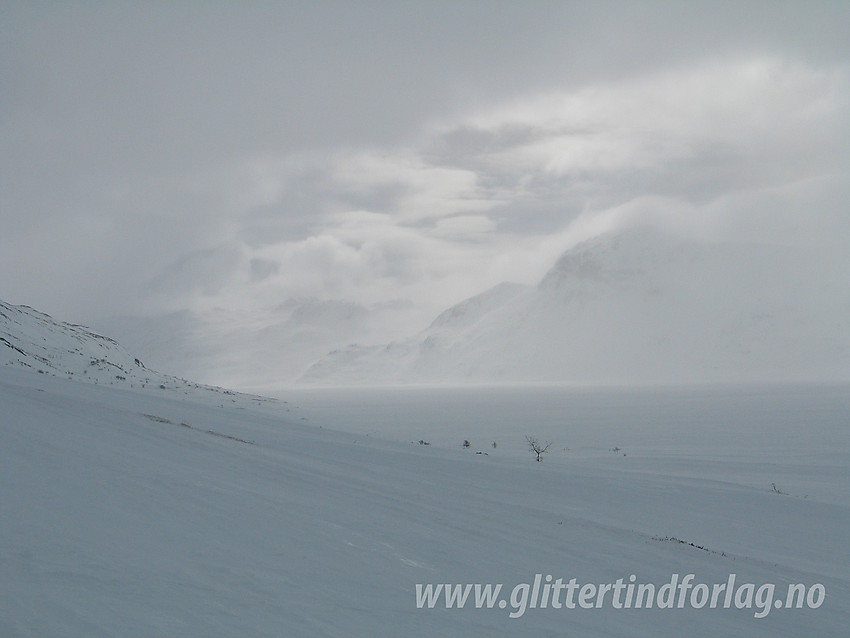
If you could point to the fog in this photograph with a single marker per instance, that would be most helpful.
(236, 189)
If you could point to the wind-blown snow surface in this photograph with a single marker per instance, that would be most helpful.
(632, 307)
(130, 512)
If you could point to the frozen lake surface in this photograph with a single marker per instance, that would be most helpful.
(796, 436)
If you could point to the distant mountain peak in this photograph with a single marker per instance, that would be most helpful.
(472, 309)
(638, 305)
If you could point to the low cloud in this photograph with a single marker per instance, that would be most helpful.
(188, 171)
(752, 149)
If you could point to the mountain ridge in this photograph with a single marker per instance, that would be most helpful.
(633, 306)
(36, 342)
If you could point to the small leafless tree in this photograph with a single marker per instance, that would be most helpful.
(537, 447)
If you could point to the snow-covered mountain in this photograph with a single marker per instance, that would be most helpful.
(34, 341)
(636, 306)
(270, 347)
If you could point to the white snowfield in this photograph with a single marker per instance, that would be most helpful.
(185, 511)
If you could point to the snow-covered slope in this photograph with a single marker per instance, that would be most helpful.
(637, 306)
(130, 511)
(34, 341)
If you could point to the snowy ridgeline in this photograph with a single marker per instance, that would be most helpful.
(632, 307)
(34, 341)
(130, 511)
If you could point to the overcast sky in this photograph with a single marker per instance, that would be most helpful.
(165, 156)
